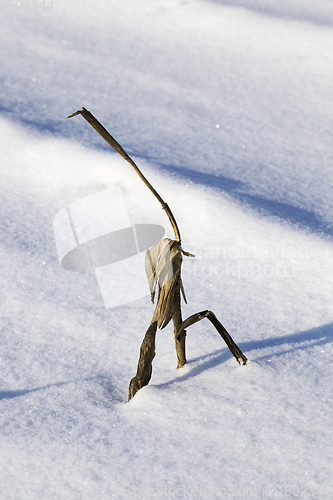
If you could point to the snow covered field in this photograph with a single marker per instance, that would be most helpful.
(227, 108)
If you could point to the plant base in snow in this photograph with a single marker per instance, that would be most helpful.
(163, 265)
(147, 354)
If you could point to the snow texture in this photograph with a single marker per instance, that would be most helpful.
(227, 108)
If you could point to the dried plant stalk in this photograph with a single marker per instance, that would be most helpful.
(163, 268)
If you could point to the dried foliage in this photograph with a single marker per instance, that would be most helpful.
(163, 266)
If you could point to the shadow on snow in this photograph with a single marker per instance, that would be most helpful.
(289, 343)
(238, 190)
(111, 391)
(282, 10)
(304, 219)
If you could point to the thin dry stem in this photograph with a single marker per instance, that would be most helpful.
(115, 145)
(177, 321)
(235, 350)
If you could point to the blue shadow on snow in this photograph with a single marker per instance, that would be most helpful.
(236, 189)
(103, 381)
(320, 335)
(300, 217)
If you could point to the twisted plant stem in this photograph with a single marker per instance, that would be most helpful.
(147, 354)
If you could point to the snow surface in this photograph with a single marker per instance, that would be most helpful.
(226, 106)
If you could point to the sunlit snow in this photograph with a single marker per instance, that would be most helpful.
(227, 108)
